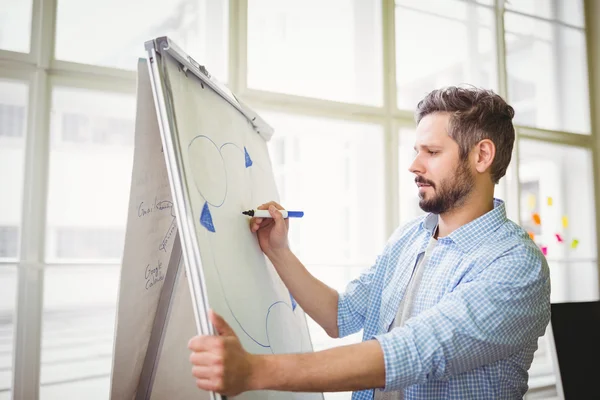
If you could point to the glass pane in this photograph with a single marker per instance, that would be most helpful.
(199, 27)
(325, 49)
(8, 293)
(78, 328)
(15, 25)
(441, 43)
(557, 208)
(91, 158)
(331, 170)
(409, 194)
(547, 74)
(13, 125)
(568, 11)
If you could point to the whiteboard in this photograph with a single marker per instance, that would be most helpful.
(217, 165)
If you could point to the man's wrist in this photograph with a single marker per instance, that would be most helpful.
(279, 256)
(260, 372)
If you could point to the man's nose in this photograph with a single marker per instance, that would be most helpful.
(416, 167)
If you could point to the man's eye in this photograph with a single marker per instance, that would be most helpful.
(433, 152)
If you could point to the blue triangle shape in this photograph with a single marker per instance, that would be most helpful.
(294, 304)
(248, 159)
(206, 219)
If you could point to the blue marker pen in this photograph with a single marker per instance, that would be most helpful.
(266, 214)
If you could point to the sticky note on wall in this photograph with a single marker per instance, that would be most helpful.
(565, 221)
(536, 218)
(549, 199)
(531, 202)
(574, 243)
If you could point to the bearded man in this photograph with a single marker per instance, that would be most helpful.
(452, 307)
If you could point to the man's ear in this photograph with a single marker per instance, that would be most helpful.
(485, 151)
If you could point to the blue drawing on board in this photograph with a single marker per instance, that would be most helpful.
(213, 203)
(248, 159)
(206, 219)
(207, 222)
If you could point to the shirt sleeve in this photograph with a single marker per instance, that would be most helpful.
(483, 320)
(352, 304)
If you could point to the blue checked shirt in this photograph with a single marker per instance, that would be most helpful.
(483, 301)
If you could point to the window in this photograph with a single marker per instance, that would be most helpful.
(324, 49)
(327, 150)
(557, 207)
(199, 26)
(547, 72)
(13, 121)
(15, 25)
(75, 127)
(568, 12)
(335, 240)
(8, 293)
(82, 243)
(78, 331)
(89, 181)
(9, 241)
(456, 45)
(80, 128)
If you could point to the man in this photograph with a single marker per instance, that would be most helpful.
(455, 303)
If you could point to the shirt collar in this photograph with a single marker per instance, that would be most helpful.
(469, 235)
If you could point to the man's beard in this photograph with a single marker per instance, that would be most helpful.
(450, 193)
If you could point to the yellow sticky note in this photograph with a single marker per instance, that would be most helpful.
(531, 202)
(574, 243)
(549, 201)
(565, 221)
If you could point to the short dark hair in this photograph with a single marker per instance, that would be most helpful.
(476, 114)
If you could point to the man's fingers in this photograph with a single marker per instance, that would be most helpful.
(277, 217)
(258, 223)
(270, 203)
(207, 384)
(202, 372)
(205, 343)
(205, 358)
(275, 213)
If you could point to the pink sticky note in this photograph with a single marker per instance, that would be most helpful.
(544, 250)
(559, 238)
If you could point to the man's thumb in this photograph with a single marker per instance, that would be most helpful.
(220, 325)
